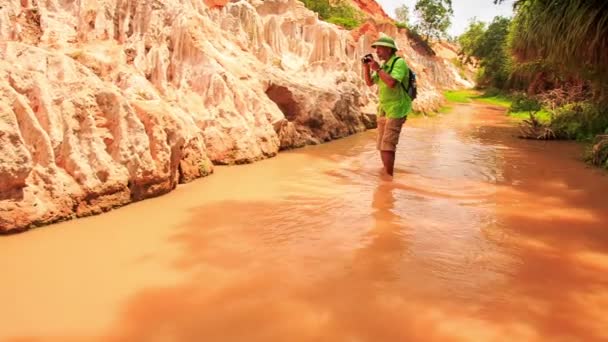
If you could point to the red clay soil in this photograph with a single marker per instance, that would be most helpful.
(368, 28)
(216, 3)
(372, 8)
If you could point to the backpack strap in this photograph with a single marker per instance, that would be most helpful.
(393, 64)
(408, 71)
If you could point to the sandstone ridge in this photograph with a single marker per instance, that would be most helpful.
(107, 102)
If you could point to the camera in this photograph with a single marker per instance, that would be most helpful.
(367, 58)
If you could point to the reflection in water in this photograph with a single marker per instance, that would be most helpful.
(480, 237)
(384, 248)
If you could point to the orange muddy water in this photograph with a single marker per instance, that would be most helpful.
(480, 237)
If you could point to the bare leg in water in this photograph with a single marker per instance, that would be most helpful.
(388, 160)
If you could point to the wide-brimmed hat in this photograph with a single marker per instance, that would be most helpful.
(385, 41)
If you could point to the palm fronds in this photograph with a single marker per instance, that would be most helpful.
(570, 35)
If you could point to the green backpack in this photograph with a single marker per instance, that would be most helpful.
(410, 89)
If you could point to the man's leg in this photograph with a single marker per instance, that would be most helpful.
(381, 126)
(388, 146)
(388, 159)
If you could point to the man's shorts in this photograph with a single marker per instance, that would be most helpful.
(388, 133)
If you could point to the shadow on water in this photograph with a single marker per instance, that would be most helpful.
(271, 284)
(268, 278)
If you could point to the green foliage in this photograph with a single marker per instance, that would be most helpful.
(348, 23)
(434, 17)
(322, 7)
(580, 121)
(523, 103)
(460, 96)
(534, 76)
(492, 92)
(496, 98)
(402, 13)
(519, 106)
(470, 40)
(570, 36)
(340, 13)
(543, 116)
(444, 109)
(490, 46)
(555, 43)
(401, 25)
(492, 50)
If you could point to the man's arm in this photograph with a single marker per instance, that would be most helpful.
(388, 79)
(366, 74)
(384, 76)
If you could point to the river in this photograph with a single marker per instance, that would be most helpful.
(481, 236)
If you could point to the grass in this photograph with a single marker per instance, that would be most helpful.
(542, 115)
(456, 96)
(501, 100)
(497, 100)
(467, 95)
(445, 109)
(505, 101)
(459, 96)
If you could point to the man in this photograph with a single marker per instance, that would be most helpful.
(393, 102)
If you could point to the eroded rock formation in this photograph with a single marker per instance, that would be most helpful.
(107, 102)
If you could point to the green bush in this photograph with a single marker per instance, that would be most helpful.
(322, 7)
(401, 25)
(342, 13)
(523, 103)
(347, 23)
(543, 116)
(580, 121)
(492, 91)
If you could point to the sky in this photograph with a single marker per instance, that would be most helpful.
(464, 10)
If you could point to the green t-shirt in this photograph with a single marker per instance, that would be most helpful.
(393, 101)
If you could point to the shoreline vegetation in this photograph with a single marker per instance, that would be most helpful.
(548, 65)
(582, 122)
(555, 91)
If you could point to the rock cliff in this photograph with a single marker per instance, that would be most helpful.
(107, 102)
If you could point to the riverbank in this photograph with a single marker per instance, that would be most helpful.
(461, 244)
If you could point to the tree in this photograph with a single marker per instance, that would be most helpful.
(493, 51)
(490, 47)
(470, 40)
(434, 17)
(402, 13)
(569, 36)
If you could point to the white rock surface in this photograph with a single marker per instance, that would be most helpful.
(107, 102)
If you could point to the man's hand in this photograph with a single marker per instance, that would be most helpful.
(374, 65)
